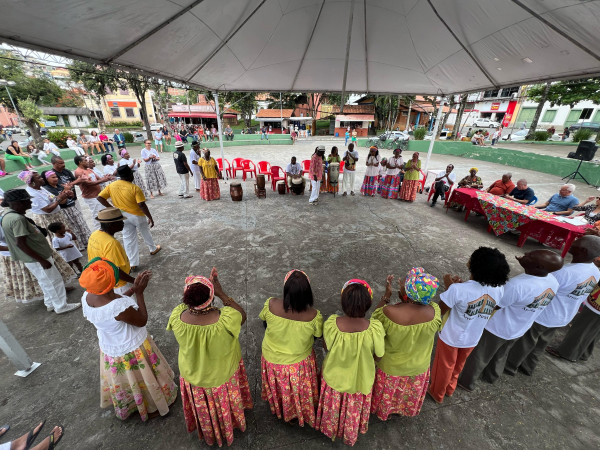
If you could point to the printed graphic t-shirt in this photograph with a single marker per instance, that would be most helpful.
(525, 298)
(576, 282)
(472, 305)
(593, 302)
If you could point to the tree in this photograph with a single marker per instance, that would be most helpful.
(32, 115)
(461, 110)
(536, 117)
(568, 92)
(451, 104)
(71, 98)
(288, 100)
(245, 102)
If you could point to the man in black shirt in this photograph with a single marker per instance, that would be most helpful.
(183, 170)
(521, 194)
(66, 179)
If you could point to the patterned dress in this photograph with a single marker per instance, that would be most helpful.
(370, 182)
(209, 186)
(411, 182)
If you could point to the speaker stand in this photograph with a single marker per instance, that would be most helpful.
(574, 175)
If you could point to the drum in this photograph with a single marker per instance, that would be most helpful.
(236, 191)
(260, 181)
(297, 186)
(281, 187)
(334, 173)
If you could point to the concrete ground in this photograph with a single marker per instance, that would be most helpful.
(253, 244)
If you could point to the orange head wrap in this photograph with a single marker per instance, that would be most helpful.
(99, 277)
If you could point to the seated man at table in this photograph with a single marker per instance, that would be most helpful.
(294, 170)
(521, 194)
(562, 203)
(443, 182)
(503, 186)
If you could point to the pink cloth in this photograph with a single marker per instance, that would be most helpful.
(316, 167)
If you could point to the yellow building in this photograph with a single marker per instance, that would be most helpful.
(122, 106)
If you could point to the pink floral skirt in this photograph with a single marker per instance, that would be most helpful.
(398, 395)
(343, 415)
(292, 390)
(209, 189)
(215, 412)
(139, 381)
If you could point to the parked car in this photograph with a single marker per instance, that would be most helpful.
(485, 123)
(15, 130)
(154, 126)
(594, 126)
(443, 135)
(138, 137)
(521, 134)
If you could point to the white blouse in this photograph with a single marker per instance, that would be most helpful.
(127, 162)
(373, 171)
(395, 162)
(40, 199)
(148, 153)
(115, 338)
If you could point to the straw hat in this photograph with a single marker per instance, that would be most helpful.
(108, 215)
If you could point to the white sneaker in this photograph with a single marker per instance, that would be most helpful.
(69, 307)
(49, 308)
(188, 196)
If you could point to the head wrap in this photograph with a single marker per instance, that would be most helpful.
(289, 274)
(26, 176)
(373, 147)
(99, 276)
(195, 279)
(420, 286)
(474, 168)
(123, 152)
(361, 282)
(49, 173)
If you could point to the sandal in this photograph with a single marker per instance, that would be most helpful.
(31, 436)
(5, 428)
(554, 352)
(157, 247)
(52, 441)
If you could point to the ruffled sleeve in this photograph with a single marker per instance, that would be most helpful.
(436, 323)
(231, 320)
(378, 334)
(317, 323)
(108, 311)
(175, 316)
(265, 310)
(330, 331)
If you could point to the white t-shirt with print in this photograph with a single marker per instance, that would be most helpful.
(525, 298)
(451, 176)
(576, 282)
(472, 304)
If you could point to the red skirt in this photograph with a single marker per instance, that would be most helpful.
(209, 189)
(409, 190)
(390, 186)
(343, 415)
(215, 412)
(398, 395)
(292, 390)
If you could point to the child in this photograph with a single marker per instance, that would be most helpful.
(382, 174)
(353, 343)
(63, 243)
(471, 304)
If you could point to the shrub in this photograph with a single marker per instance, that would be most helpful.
(113, 125)
(541, 136)
(128, 137)
(583, 134)
(58, 137)
(420, 133)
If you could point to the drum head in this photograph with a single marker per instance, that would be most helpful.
(296, 180)
(280, 182)
(334, 164)
(236, 183)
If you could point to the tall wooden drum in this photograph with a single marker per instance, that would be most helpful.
(260, 181)
(236, 191)
(297, 186)
(281, 187)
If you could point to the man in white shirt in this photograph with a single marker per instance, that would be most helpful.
(158, 135)
(350, 159)
(50, 147)
(443, 182)
(72, 144)
(294, 170)
(525, 297)
(496, 136)
(576, 281)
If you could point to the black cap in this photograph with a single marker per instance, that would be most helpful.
(15, 195)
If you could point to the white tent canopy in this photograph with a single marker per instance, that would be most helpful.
(378, 46)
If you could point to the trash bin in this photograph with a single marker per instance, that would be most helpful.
(337, 134)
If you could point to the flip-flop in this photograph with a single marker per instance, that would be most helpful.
(156, 251)
(5, 428)
(52, 442)
(31, 436)
(554, 352)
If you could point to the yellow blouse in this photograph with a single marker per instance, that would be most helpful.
(209, 168)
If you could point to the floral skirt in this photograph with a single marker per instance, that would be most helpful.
(343, 415)
(390, 186)
(215, 412)
(78, 226)
(139, 381)
(369, 186)
(398, 395)
(155, 177)
(333, 188)
(292, 390)
(139, 181)
(209, 189)
(409, 190)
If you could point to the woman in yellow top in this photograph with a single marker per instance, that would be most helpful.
(289, 365)
(410, 327)
(214, 385)
(209, 171)
(410, 183)
(353, 343)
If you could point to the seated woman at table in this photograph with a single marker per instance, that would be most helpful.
(471, 180)
(521, 194)
(561, 204)
(503, 186)
(592, 211)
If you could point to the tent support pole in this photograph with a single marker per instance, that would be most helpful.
(307, 45)
(556, 29)
(461, 44)
(435, 130)
(216, 95)
(15, 353)
(366, 49)
(348, 41)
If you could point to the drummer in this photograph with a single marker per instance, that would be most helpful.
(294, 171)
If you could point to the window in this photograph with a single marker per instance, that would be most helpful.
(491, 94)
(115, 112)
(123, 92)
(405, 113)
(586, 113)
(79, 118)
(129, 112)
(507, 92)
(549, 115)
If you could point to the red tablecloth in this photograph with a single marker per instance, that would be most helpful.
(504, 215)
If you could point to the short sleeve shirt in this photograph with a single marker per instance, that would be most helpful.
(179, 158)
(103, 245)
(88, 191)
(124, 195)
(148, 154)
(558, 203)
(64, 177)
(158, 135)
(451, 176)
(15, 225)
(209, 168)
(525, 194)
(294, 169)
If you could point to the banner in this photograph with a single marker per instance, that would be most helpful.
(495, 107)
(509, 113)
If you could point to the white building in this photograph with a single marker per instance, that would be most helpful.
(69, 117)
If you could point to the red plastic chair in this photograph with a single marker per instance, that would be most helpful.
(227, 170)
(275, 177)
(305, 166)
(342, 166)
(264, 168)
(422, 181)
(446, 195)
(249, 168)
(238, 165)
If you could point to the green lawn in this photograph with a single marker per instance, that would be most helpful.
(241, 124)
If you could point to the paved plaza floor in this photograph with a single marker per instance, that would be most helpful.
(253, 244)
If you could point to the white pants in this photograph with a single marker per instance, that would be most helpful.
(197, 179)
(78, 150)
(348, 181)
(42, 157)
(184, 187)
(51, 283)
(95, 207)
(5, 446)
(314, 194)
(133, 224)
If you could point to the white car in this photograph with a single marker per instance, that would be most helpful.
(154, 126)
(521, 134)
(403, 135)
(485, 123)
(443, 135)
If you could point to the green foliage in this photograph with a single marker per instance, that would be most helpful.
(583, 134)
(128, 137)
(30, 110)
(420, 133)
(71, 99)
(568, 92)
(541, 136)
(51, 118)
(59, 137)
(135, 123)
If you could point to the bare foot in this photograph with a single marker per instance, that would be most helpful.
(20, 443)
(2, 431)
(45, 444)
(151, 196)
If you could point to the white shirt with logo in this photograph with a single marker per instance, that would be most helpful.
(525, 298)
(576, 281)
(472, 305)
(451, 177)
